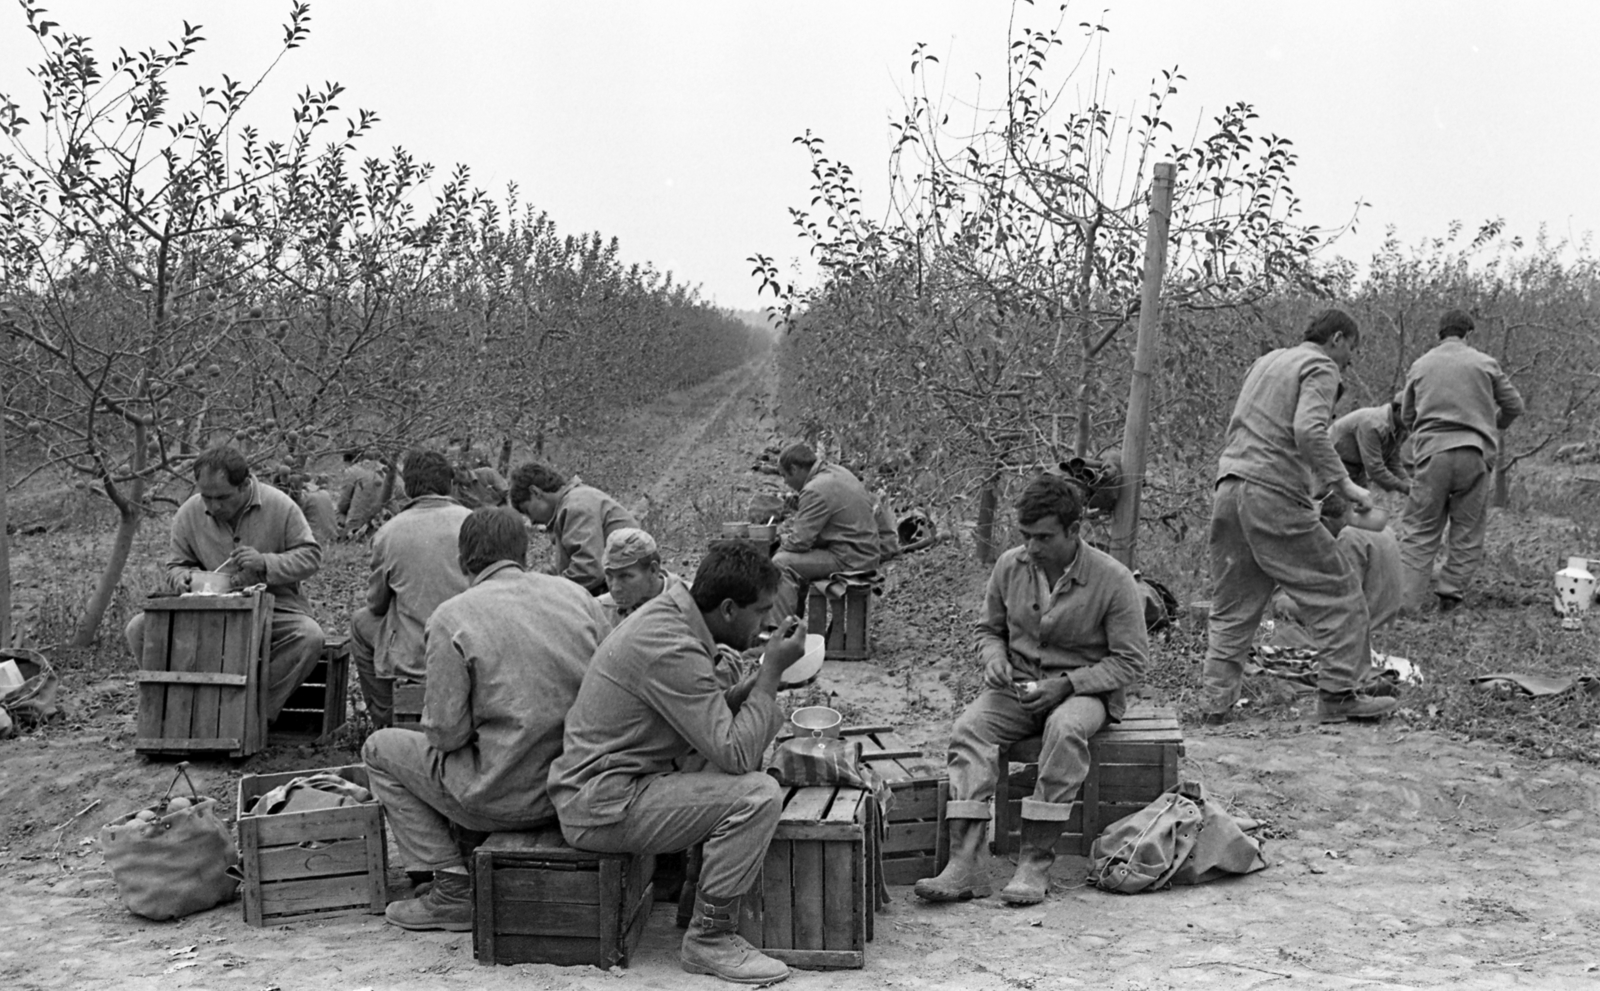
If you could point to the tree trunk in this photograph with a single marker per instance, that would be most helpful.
(1500, 495)
(505, 457)
(129, 516)
(984, 535)
(5, 537)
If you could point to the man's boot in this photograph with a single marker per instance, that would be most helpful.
(447, 905)
(1336, 707)
(1031, 883)
(712, 945)
(967, 874)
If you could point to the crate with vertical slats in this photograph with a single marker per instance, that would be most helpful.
(201, 677)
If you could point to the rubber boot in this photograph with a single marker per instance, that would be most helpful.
(447, 905)
(1031, 883)
(967, 874)
(712, 945)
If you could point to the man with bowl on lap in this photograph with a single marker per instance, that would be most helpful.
(1063, 634)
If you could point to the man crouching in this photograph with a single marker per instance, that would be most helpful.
(1062, 635)
(650, 707)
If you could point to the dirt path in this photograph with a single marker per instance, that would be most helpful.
(1399, 859)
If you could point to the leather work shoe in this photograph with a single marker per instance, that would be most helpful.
(1215, 718)
(966, 875)
(1030, 885)
(447, 905)
(713, 946)
(1336, 708)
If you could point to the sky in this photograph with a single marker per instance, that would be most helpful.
(669, 123)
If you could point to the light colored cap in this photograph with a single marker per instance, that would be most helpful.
(627, 547)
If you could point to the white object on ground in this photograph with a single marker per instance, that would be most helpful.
(1405, 672)
(1575, 586)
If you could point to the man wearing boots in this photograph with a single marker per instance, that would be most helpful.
(504, 662)
(1063, 634)
(652, 706)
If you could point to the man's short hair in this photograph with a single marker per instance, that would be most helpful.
(490, 534)
(732, 569)
(797, 455)
(1050, 495)
(534, 475)
(225, 459)
(1329, 322)
(427, 473)
(1455, 323)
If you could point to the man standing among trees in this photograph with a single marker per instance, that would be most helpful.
(1265, 528)
(242, 526)
(835, 527)
(413, 570)
(504, 662)
(1063, 634)
(580, 518)
(1457, 400)
(1368, 441)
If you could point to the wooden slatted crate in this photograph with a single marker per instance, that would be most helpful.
(305, 865)
(1130, 764)
(316, 709)
(842, 621)
(814, 902)
(203, 673)
(538, 900)
(913, 845)
(408, 699)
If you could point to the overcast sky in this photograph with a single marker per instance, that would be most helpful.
(668, 123)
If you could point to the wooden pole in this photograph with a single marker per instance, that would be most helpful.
(5, 536)
(1135, 431)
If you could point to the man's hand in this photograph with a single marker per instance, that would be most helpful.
(1046, 695)
(248, 559)
(1359, 497)
(787, 645)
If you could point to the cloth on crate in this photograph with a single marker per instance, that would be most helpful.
(1183, 837)
(323, 790)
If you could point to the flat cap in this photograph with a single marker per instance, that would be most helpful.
(627, 547)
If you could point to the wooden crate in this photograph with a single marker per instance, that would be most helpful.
(913, 845)
(1130, 764)
(813, 904)
(408, 698)
(202, 676)
(842, 621)
(316, 709)
(537, 900)
(306, 865)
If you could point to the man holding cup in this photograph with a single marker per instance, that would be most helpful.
(1063, 634)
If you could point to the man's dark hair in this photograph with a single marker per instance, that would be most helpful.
(225, 459)
(1331, 321)
(732, 569)
(427, 473)
(492, 534)
(1050, 495)
(797, 455)
(534, 475)
(1455, 323)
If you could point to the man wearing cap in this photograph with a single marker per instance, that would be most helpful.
(1368, 441)
(634, 575)
(834, 528)
(580, 517)
(1456, 401)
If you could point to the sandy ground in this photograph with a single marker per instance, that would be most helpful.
(1398, 858)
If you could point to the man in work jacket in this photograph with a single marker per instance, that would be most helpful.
(244, 527)
(1062, 636)
(579, 518)
(634, 574)
(834, 528)
(1265, 529)
(413, 570)
(1368, 442)
(1457, 400)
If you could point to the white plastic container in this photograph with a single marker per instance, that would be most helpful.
(1575, 588)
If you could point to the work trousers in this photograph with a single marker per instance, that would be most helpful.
(995, 719)
(377, 690)
(796, 571)
(734, 815)
(407, 776)
(296, 646)
(1261, 538)
(1451, 487)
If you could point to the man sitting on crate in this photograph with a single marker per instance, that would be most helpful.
(244, 527)
(1063, 634)
(834, 528)
(634, 574)
(504, 661)
(580, 518)
(651, 701)
(413, 570)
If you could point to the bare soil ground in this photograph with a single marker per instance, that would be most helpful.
(1440, 849)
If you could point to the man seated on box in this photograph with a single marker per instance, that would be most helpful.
(580, 518)
(651, 703)
(504, 662)
(241, 526)
(834, 527)
(413, 570)
(1063, 634)
(634, 574)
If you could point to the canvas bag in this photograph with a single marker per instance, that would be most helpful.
(34, 700)
(177, 864)
(1180, 838)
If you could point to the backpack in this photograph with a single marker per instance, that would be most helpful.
(1180, 838)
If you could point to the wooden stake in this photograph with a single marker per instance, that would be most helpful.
(5, 538)
(1135, 431)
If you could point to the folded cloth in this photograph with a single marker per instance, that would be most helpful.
(1537, 684)
(323, 790)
